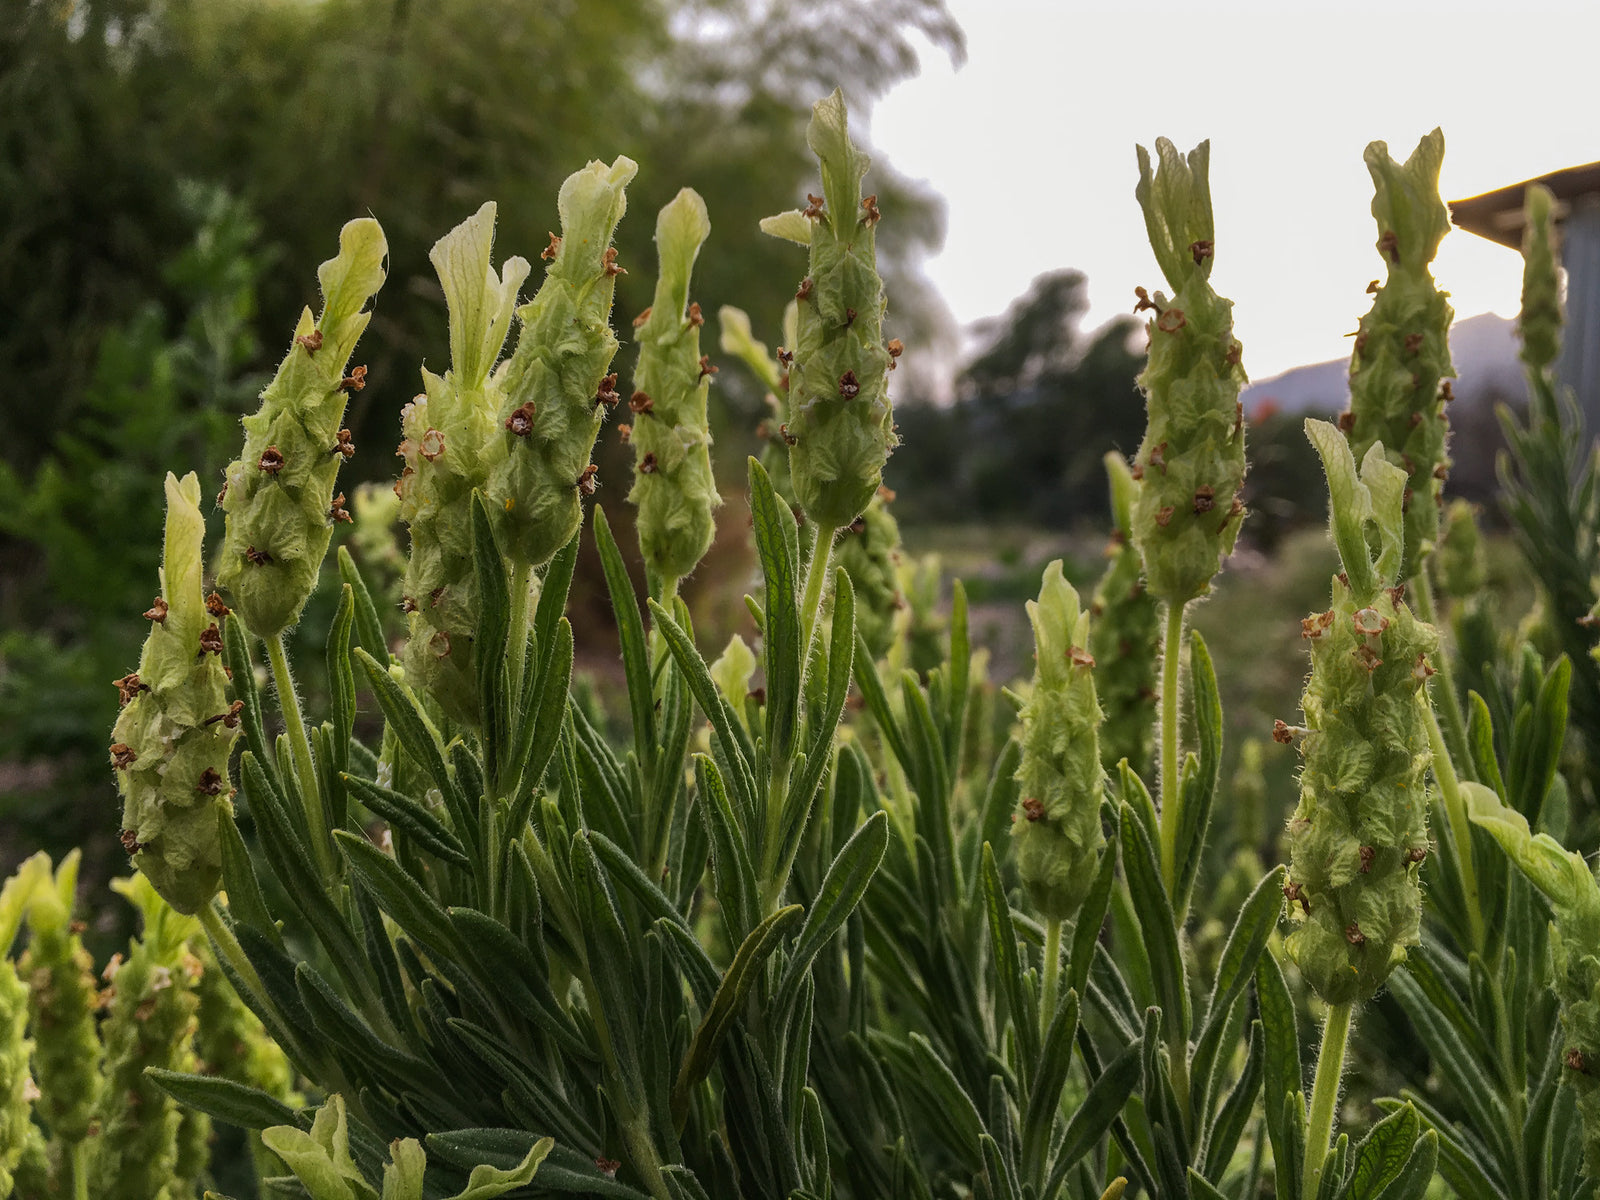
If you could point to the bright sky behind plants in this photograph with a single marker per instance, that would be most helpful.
(1032, 144)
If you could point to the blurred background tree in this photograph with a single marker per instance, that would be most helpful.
(157, 155)
(1036, 410)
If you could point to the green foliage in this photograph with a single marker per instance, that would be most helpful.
(758, 941)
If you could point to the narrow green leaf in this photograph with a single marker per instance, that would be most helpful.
(1257, 920)
(725, 1006)
(541, 731)
(960, 676)
(416, 738)
(1044, 1100)
(733, 877)
(1480, 740)
(369, 628)
(237, 652)
(553, 591)
(398, 894)
(819, 750)
(1156, 919)
(609, 966)
(1020, 1002)
(630, 632)
(1380, 1156)
(1091, 917)
(245, 902)
(773, 524)
(1237, 1109)
(842, 888)
(223, 1099)
(410, 819)
(504, 966)
(1412, 1180)
(1283, 1077)
(723, 722)
(1102, 1106)
(490, 637)
(877, 700)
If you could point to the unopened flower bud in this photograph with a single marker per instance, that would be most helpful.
(1057, 837)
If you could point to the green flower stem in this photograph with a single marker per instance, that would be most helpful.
(1455, 723)
(78, 1163)
(227, 948)
(1325, 1096)
(775, 873)
(1171, 659)
(1052, 975)
(300, 751)
(1455, 808)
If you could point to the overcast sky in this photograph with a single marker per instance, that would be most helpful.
(1032, 144)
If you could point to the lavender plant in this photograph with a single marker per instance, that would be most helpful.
(744, 938)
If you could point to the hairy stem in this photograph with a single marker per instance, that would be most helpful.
(1052, 975)
(1455, 808)
(300, 752)
(226, 947)
(1443, 690)
(1171, 811)
(1324, 1097)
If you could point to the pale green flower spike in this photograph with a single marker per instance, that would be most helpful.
(1360, 831)
(1459, 562)
(1125, 637)
(672, 486)
(869, 552)
(16, 1084)
(1188, 513)
(1056, 831)
(838, 423)
(171, 743)
(557, 390)
(1540, 321)
(446, 430)
(321, 1161)
(62, 1001)
(1568, 883)
(152, 1024)
(1402, 348)
(278, 497)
